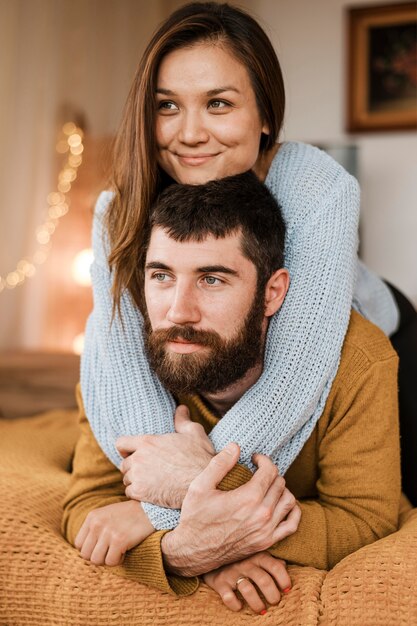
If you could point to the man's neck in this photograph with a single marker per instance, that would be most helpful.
(222, 401)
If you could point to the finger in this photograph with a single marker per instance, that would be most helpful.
(216, 470)
(127, 479)
(284, 506)
(126, 445)
(228, 596)
(181, 418)
(276, 568)
(126, 464)
(275, 492)
(288, 526)
(264, 475)
(98, 555)
(266, 584)
(249, 593)
(88, 546)
(114, 556)
(81, 536)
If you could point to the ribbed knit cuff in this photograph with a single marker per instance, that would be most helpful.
(145, 564)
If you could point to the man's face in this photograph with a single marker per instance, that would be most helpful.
(206, 321)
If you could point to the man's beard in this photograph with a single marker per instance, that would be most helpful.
(215, 367)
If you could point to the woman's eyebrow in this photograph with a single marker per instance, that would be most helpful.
(210, 92)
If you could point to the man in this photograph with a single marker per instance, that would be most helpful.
(213, 276)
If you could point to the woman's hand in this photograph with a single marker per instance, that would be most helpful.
(258, 574)
(108, 532)
(181, 456)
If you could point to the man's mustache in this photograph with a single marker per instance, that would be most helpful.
(186, 333)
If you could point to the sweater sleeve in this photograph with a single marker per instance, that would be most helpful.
(320, 203)
(96, 482)
(359, 484)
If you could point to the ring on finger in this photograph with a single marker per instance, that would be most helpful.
(240, 580)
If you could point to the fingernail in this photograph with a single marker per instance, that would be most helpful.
(263, 612)
(287, 590)
(230, 448)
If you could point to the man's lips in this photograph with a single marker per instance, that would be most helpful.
(181, 346)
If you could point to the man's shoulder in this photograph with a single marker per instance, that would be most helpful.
(365, 345)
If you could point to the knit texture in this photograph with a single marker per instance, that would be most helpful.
(122, 396)
(344, 505)
(45, 582)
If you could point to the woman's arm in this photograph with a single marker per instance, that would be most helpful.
(96, 510)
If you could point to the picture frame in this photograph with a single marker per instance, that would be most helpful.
(382, 68)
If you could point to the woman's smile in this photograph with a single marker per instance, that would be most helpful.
(208, 124)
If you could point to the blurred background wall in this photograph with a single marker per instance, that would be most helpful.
(73, 60)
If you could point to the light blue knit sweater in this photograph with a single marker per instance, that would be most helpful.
(320, 205)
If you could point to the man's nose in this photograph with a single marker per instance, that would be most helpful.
(184, 308)
(193, 129)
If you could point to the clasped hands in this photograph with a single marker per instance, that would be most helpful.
(220, 533)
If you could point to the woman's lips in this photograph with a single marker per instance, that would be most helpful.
(195, 159)
(183, 347)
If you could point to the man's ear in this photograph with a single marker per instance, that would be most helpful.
(275, 291)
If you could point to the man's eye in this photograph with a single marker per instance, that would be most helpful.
(160, 277)
(212, 280)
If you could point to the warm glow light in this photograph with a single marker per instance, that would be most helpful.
(64, 187)
(77, 150)
(81, 267)
(62, 146)
(25, 268)
(78, 344)
(74, 140)
(69, 128)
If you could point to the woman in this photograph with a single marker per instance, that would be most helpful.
(208, 101)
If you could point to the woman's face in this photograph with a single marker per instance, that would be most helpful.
(207, 122)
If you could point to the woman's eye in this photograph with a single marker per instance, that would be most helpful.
(219, 104)
(167, 105)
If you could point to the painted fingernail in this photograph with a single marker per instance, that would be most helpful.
(263, 612)
(287, 590)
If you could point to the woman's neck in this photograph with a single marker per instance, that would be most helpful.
(263, 163)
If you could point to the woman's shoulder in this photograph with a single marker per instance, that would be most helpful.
(299, 168)
(103, 202)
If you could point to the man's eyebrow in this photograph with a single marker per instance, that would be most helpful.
(221, 269)
(157, 265)
(210, 93)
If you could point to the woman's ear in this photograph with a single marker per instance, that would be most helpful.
(275, 291)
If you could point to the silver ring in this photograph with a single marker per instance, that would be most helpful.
(240, 580)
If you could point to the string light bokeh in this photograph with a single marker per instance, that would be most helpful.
(71, 143)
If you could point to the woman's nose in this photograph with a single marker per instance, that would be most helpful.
(184, 308)
(193, 129)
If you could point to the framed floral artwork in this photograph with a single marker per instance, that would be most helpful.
(382, 67)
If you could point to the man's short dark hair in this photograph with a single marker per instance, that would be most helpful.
(222, 207)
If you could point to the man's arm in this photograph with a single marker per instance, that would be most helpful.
(359, 483)
(358, 462)
(96, 487)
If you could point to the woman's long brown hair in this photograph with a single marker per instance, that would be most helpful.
(137, 179)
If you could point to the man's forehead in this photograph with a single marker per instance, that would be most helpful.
(164, 248)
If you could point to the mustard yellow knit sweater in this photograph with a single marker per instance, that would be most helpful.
(346, 478)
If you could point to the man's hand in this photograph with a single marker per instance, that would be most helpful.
(268, 573)
(218, 527)
(160, 468)
(108, 532)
